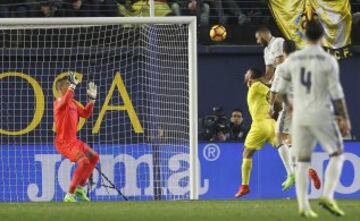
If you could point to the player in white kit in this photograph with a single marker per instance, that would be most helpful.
(283, 124)
(273, 51)
(314, 75)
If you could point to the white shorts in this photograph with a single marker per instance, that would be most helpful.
(283, 123)
(305, 138)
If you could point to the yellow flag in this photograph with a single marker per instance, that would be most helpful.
(336, 19)
(335, 16)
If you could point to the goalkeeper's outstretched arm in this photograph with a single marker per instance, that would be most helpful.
(66, 87)
(91, 93)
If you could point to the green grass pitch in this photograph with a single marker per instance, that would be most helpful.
(245, 210)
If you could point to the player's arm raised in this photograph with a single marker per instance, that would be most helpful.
(73, 82)
(337, 95)
(91, 93)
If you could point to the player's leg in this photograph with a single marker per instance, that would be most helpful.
(93, 158)
(312, 172)
(246, 168)
(81, 190)
(82, 165)
(303, 144)
(285, 156)
(283, 149)
(331, 140)
(277, 138)
(73, 153)
(254, 141)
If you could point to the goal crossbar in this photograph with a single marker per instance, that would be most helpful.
(98, 20)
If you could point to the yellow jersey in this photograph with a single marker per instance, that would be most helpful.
(257, 101)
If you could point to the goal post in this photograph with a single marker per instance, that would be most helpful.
(145, 121)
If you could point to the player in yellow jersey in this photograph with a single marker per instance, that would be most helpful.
(262, 128)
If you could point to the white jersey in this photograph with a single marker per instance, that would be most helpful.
(314, 75)
(273, 50)
(275, 83)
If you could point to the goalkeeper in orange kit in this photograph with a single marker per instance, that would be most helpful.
(67, 112)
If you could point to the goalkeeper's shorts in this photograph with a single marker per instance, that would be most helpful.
(73, 150)
(261, 132)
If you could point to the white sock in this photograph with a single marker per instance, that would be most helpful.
(302, 184)
(284, 154)
(292, 156)
(332, 175)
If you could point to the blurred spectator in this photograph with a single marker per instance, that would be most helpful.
(78, 8)
(215, 127)
(16, 8)
(106, 8)
(230, 5)
(355, 8)
(199, 8)
(142, 8)
(238, 128)
(4, 9)
(257, 12)
(45, 9)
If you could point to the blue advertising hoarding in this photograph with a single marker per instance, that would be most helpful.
(221, 166)
(39, 173)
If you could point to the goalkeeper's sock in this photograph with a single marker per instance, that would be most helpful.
(93, 161)
(302, 184)
(83, 165)
(285, 156)
(246, 171)
(332, 175)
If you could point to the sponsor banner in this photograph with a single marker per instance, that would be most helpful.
(39, 173)
(221, 165)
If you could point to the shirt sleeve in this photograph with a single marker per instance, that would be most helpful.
(284, 78)
(84, 112)
(335, 88)
(64, 100)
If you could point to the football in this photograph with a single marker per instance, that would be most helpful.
(218, 33)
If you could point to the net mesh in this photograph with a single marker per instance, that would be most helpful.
(140, 123)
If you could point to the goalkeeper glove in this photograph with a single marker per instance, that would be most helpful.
(91, 91)
(73, 81)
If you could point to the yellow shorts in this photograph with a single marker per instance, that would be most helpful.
(261, 132)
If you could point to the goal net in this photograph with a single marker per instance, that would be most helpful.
(144, 119)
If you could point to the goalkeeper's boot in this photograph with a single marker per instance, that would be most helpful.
(289, 182)
(243, 190)
(331, 206)
(69, 198)
(308, 213)
(81, 193)
(315, 178)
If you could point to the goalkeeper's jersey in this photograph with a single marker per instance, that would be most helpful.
(67, 112)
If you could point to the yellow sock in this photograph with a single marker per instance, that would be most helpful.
(246, 171)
